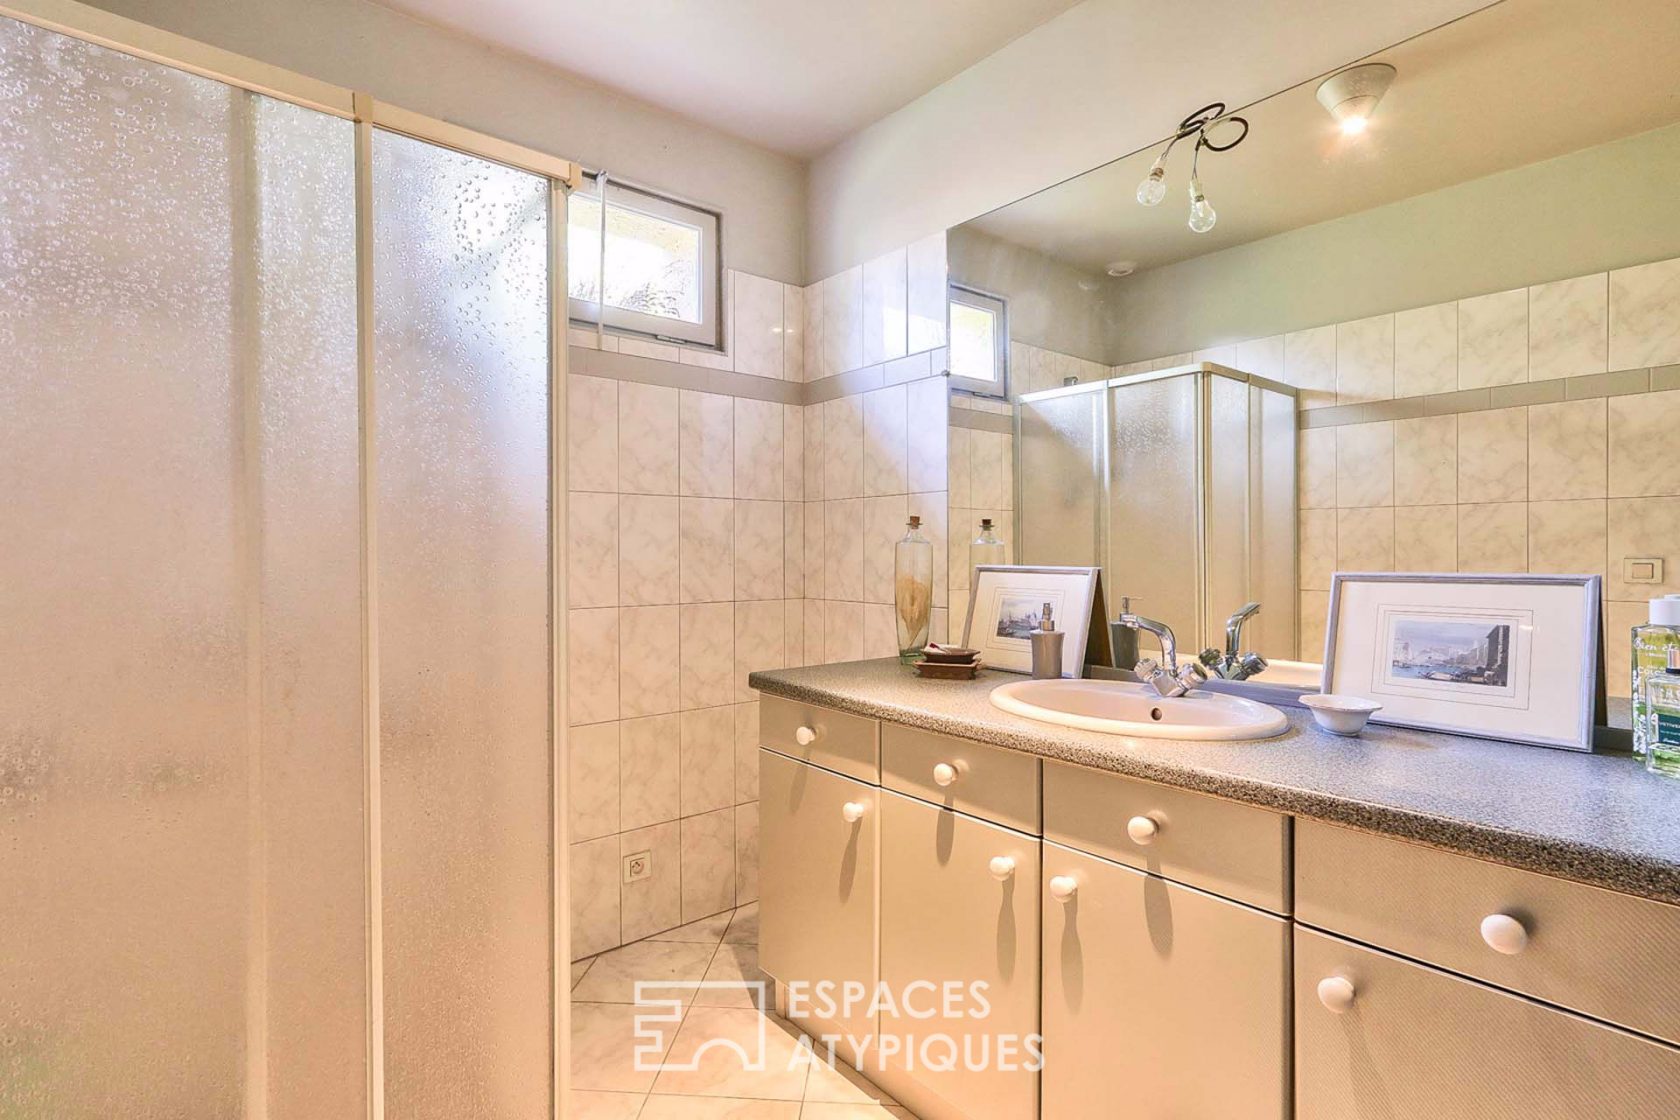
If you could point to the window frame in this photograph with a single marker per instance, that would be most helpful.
(708, 332)
(998, 307)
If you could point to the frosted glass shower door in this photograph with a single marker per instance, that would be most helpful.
(181, 831)
(461, 336)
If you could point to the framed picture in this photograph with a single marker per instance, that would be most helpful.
(1497, 656)
(1006, 604)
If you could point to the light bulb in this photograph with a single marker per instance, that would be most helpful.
(1153, 189)
(1353, 126)
(1202, 216)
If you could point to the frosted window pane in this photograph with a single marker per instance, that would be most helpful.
(462, 343)
(178, 586)
(973, 342)
(653, 262)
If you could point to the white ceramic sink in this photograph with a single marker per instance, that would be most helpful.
(1121, 708)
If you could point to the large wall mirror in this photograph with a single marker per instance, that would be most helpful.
(1440, 338)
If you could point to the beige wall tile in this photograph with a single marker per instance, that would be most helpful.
(708, 759)
(759, 637)
(746, 752)
(1365, 464)
(759, 564)
(746, 854)
(1645, 315)
(1493, 537)
(592, 434)
(1426, 461)
(815, 622)
(793, 550)
(1566, 450)
(1645, 444)
(883, 526)
(885, 307)
(1426, 350)
(1643, 527)
(927, 292)
(1619, 621)
(793, 453)
(1426, 538)
(815, 555)
(1568, 327)
(885, 441)
(705, 444)
(989, 462)
(592, 767)
(1493, 339)
(594, 871)
(647, 661)
(933, 509)
(843, 549)
(1493, 455)
(708, 864)
(1365, 540)
(705, 550)
(592, 665)
(1315, 612)
(793, 633)
(843, 448)
(1318, 548)
(880, 632)
(650, 770)
(654, 904)
(1316, 471)
(842, 631)
(843, 321)
(959, 462)
(759, 463)
(757, 335)
(927, 406)
(793, 333)
(1264, 356)
(707, 644)
(592, 550)
(647, 428)
(1567, 537)
(1309, 364)
(647, 549)
(1365, 360)
(813, 419)
(816, 342)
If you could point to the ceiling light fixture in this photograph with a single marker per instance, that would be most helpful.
(1153, 189)
(1351, 95)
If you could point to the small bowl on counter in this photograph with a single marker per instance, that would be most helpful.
(1338, 714)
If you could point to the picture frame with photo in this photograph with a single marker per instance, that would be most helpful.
(1004, 607)
(1496, 656)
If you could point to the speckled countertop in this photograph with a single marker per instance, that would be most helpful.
(1594, 818)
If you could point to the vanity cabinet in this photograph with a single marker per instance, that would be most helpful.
(819, 836)
(1380, 1037)
(959, 909)
(1159, 999)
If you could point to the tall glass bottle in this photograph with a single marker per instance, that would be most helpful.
(986, 549)
(913, 591)
(1651, 643)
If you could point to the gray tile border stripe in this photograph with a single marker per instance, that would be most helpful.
(652, 371)
(1531, 392)
(1617, 384)
(1590, 386)
(981, 421)
(1664, 378)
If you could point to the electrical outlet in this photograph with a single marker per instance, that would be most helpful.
(638, 866)
(1642, 569)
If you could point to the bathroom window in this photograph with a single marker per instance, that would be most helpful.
(661, 264)
(979, 342)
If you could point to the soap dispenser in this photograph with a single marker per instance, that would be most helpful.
(1046, 647)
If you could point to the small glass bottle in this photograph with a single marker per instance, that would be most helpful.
(1662, 701)
(913, 591)
(986, 549)
(1652, 642)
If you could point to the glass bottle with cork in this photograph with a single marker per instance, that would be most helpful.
(913, 591)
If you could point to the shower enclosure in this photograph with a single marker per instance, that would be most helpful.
(278, 786)
(1180, 485)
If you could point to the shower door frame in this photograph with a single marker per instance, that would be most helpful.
(143, 41)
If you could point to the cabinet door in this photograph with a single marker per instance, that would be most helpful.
(1159, 1000)
(1387, 1038)
(817, 864)
(959, 908)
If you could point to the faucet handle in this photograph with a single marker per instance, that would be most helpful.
(1191, 675)
(1210, 657)
(1252, 665)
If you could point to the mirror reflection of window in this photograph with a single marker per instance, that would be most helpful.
(979, 342)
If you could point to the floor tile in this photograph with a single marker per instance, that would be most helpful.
(604, 1041)
(735, 964)
(705, 931)
(613, 977)
(815, 1111)
(841, 1084)
(717, 1047)
(718, 1108)
(579, 968)
(743, 928)
(589, 1104)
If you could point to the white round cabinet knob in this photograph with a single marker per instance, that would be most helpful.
(1142, 830)
(805, 736)
(1504, 934)
(852, 811)
(1001, 867)
(944, 774)
(1336, 994)
(1063, 887)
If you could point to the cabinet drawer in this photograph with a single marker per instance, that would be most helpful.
(845, 743)
(819, 839)
(1171, 996)
(1417, 1042)
(1234, 850)
(988, 782)
(1609, 955)
(952, 916)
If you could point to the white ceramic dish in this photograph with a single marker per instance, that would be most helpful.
(1340, 715)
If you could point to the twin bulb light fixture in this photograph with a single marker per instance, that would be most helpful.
(1153, 189)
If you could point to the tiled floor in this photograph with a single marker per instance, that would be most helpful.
(606, 1085)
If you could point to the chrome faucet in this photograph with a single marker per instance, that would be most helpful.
(1234, 665)
(1171, 679)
